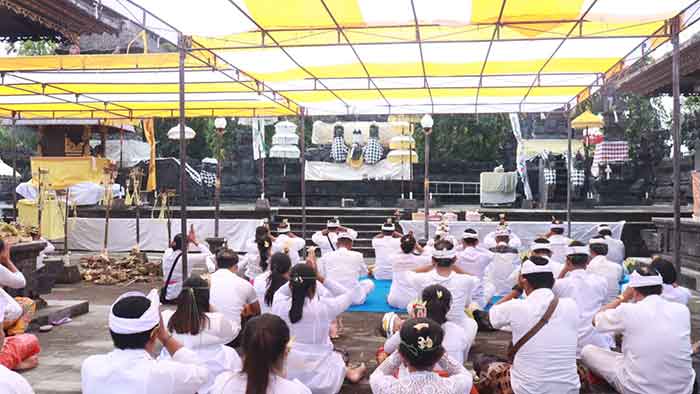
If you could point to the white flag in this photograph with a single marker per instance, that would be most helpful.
(521, 159)
(258, 129)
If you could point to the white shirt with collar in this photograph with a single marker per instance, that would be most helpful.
(229, 293)
(461, 286)
(656, 349)
(14, 280)
(402, 291)
(558, 243)
(293, 244)
(205, 258)
(611, 272)
(327, 243)
(474, 261)
(677, 294)
(546, 364)
(616, 249)
(345, 267)
(588, 291)
(136, 372)
(385, 248)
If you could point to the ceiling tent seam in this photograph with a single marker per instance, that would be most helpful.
(488, 52)
(341, 32)
(422, 59)
(538, 75)
(316, 80)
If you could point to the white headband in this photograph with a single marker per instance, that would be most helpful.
(345, 235)
(597, 241)
(332, 224)
(637, 280)
(283, 229)
(603, 227)
(147, 321)
(577, 250)
(388, 227)
(529, 267)
(467, 235)
(502, 232)
(444, 253)
(537, 246)
(557, 225)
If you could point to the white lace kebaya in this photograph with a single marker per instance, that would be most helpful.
(383, 381)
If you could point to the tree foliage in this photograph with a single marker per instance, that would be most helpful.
(33, 47)
(645, 124)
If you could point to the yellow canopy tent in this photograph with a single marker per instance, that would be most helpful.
(587, 120)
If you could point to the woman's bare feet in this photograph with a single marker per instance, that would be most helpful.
(355, 375)
(334, 329)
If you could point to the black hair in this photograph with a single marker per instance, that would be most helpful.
(599, 248)
(557, 231)
(408, 243)
(542, 241)
(605, 232)
(666, 269)
(302, 283)
(579, 259)
(344, 241)
(443, 244)
(470, 241)
(648, 290)
(131, 308)
(177, 242)
(264, 344)
(414, 333)
(437, 303)
(280, 263)
(264, 243)
(540, 280)
(190, 317)
(226, 258)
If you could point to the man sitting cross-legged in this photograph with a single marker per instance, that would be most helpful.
(656, 350)
(546, 362)
(135, 325)
(345, 266)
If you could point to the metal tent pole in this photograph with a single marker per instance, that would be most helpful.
(568, 172)
(676, 135)
(302, 175)
(426, 185)
(14, 169)
(183, 155)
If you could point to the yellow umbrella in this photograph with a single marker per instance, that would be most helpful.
(586, 120)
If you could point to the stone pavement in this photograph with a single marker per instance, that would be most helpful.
(65, 347)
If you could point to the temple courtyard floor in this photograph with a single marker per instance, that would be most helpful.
(66, 346)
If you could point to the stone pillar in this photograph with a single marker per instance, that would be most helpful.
(24, 256)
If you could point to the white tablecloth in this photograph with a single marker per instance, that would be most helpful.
(383, 170)
(527, 231)
(88, 233)
(84, 193)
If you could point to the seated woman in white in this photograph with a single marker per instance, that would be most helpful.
(420, 351)
(402, 292)
(312, 359)
(201, 330)
(671, 291)
(266, 342)
(258, 252)
(267, 283)
(434, 304)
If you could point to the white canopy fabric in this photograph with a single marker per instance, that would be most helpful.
(273, 57)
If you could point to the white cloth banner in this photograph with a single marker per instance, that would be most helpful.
(84, 193)
(88, 233)
(383, 170)
(134, 151)
(258, 130)
(521, 158)
(526, 231)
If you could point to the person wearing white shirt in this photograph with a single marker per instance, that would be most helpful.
(557, 241)
(588, 290)
(312, 358)
(327, 239)
(420, 351)
(10, 381)
(135, 325)
(503, 231)
(542, 248)
(435, 303)
(258, 252)
(656, 348)
(287, 242)
(474, 260)
(345, 266)
(386, 245)
(460, 285)
(616, 248)
(49, 248)
(546, 363)
(201, 330)
(671, 290)
(600, 265)
(411, 257)
(13, 278)
(267, 283)
(231, 295)
(266, 342)
(172, 263)
(501, 275)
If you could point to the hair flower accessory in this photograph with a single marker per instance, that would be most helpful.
(425, 343)
(417, 308)
(421, 326)
(439, 294)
